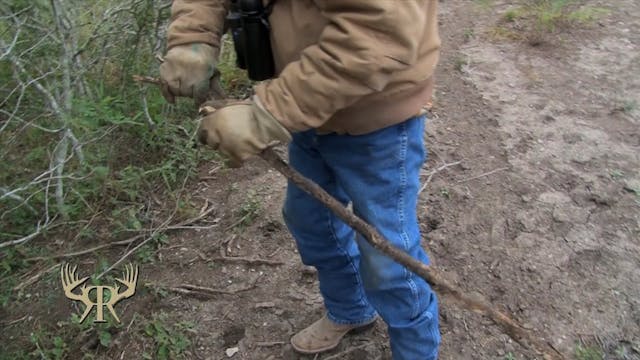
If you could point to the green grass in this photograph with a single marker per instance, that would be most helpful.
(170, 341)
(534, 19)
(636, 192)
(588, 14)
(549, 14)
(444, 192)
(484, 4)
(629, 106)
(468, 33)
(459, 63)
(248, 210)
(588, 353)
(501, 33)
(234, 80)
(49, 346)
(513, 14)
(616, 174)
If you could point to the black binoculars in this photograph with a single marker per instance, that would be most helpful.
(249, 25)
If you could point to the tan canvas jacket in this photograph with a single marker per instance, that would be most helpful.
(349, 66)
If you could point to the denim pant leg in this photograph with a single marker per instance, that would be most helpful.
(380, 174)
(323, 240)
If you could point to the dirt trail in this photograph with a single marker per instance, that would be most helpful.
(559, 230)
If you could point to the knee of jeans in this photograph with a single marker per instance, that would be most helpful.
(426, 321)
(291, 213)
(377, 270)
(298, 220)
(298, 225)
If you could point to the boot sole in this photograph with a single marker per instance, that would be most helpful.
(354, 331)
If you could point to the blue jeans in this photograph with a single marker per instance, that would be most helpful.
(379, 174)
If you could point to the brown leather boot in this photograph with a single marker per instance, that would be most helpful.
(324, 335)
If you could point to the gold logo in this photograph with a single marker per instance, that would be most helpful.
(70, 282)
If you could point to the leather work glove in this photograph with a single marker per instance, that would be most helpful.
(242, 130)
(189, 71)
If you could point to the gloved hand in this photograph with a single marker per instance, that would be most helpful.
(188, 71)
(242, 130)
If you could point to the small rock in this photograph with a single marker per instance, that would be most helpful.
(265, 305)
(632, 185)
(231, 351)
(308, 270)
(554, 197)
(547, 115)
(571, 214)
(528, 221)
(527, 240)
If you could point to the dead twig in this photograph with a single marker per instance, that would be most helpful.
(201, 291)
(90, 250)
(432, 173)
(216, 92)
(238, 222)
(34, 278)
(246, 260)
(269, 343)
(162, 226)
(482, 175)
(184, 225)
(147, 80)
(13, 322)
(431, 275)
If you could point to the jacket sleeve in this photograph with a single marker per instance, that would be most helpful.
(197, 21)
(359, 50)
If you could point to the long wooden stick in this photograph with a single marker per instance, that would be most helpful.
(440, 284)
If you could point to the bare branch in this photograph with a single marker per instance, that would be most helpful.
(58, 164)
(17, 63)
(40, 227)
(7, 49)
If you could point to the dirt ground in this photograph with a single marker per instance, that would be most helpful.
(541, 215)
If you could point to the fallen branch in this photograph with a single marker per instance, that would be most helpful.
(432, 173)
(184, 225)
(433, 277)
(482, 175)
(200, 291)
(87, 251)
(147, 80)
(269, 343)
(203, 213)
(13, 322)
(34, 278)
(238, 222)
(252, 261)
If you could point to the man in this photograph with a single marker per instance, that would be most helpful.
(352, 79)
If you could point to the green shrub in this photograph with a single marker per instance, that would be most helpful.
(79, 138)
